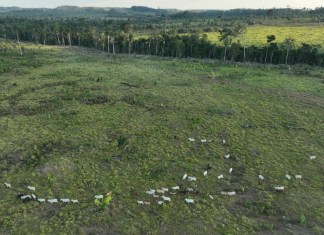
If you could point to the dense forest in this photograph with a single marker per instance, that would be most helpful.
(146, 12)
(170, 33)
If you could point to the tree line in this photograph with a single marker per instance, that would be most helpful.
(197, 46)
(118, 37)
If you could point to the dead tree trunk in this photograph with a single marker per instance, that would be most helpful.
(108, 44)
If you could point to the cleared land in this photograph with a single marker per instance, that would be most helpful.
(257, 35)
(76, 123)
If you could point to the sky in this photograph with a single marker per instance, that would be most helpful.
(178, 4)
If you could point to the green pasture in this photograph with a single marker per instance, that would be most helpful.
(76, 123)
(257, 35)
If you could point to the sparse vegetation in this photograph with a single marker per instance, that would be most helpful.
(302, 219)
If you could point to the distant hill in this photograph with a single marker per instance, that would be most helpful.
(8, 9)
(143, 12)
(143, 9)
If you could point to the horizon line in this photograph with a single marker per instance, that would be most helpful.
(193, 9)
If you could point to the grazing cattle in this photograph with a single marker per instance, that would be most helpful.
(228, 193)
(31, 188)
(65, 200)
(151, 192)
(191, 178)
(52, 201)
(166, 198)
(189, 201)
(279, 188)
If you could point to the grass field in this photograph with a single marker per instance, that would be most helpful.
(77, 123)
(257, 35)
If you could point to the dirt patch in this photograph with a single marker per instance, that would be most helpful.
(9, 160)
(161, 108)
(266, 216)
(307, 99)
(95, 229)
(216, 80)
(97, 99)
(186, 227)
(43, 105)
(49, 210)
(220, 111)
(14, 98)
(150, 103)
(4, 111)
(133, 100)
(129, 85)
(268, 228)
(304, 98)
(40, 152)
(22, 110)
